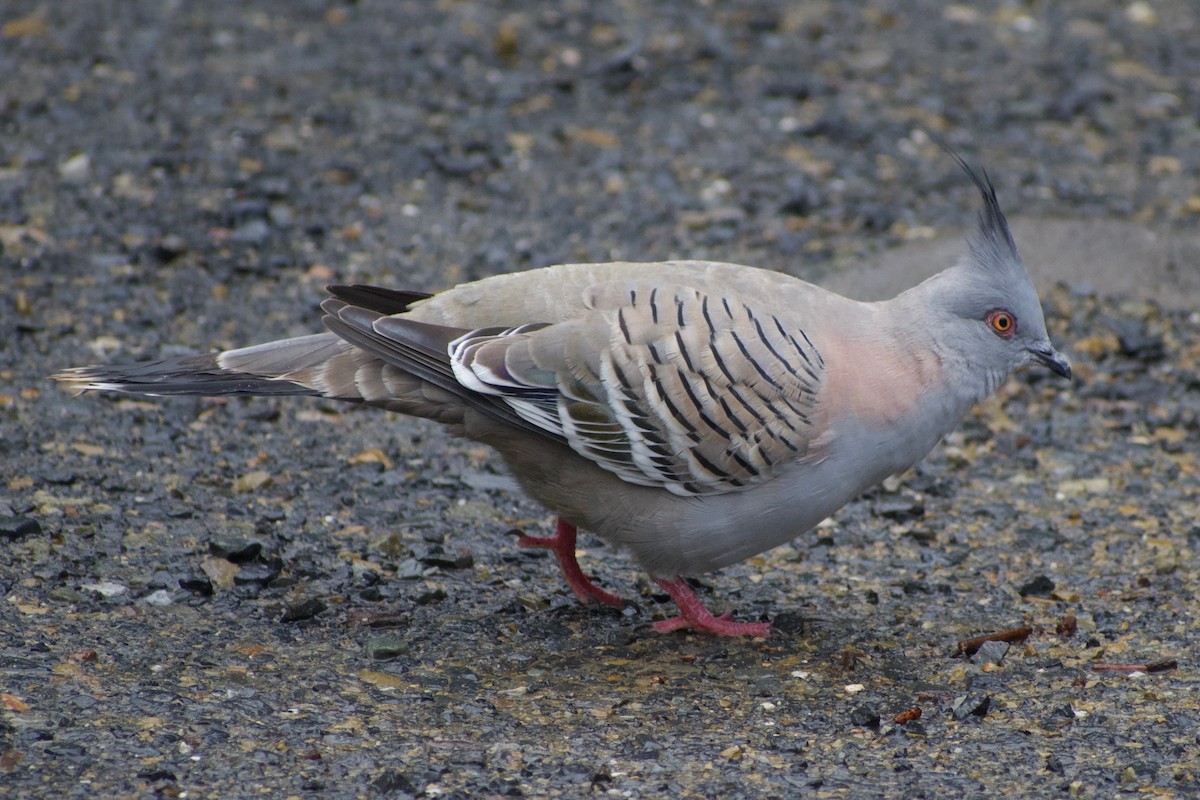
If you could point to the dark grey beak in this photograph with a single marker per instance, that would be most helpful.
(1052, 360)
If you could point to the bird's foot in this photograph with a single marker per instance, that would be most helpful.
(693, 614)
(562, 544)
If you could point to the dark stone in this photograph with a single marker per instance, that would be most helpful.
(59, 477)
(169, 248)
(922, 535)
(1043, 538)
(197, 584)
(460, 161)
(620, 71)
(18, 527)
(239, 551)
(803, 198)
(865, 716)
(1136, 341)
(393, 782)
(438, 557)
(1059, 717)
(789, 622)
(1041, 586)
(431, 596)
(646, 747)
(68, 750)
(877, 217)
(900, 508)
(156, 775)
(274, 188)
(303, 610)
(266, 412)
(259, 574)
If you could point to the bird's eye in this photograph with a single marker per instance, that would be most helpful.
(1002, 323)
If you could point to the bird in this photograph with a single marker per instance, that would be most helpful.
(692, 413)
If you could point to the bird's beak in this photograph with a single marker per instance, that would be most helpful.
(1052, 360)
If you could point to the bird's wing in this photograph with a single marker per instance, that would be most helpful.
(662, 385)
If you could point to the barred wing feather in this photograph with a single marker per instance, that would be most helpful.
(667, 387)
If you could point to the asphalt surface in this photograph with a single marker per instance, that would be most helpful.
(295, 599)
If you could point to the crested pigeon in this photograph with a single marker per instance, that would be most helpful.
(694, 413)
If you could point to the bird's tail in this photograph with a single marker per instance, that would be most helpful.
(284, 367)
(373, 355)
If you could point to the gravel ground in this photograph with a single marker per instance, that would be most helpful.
(294, 599)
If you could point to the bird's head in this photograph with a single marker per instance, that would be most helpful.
(994, 310)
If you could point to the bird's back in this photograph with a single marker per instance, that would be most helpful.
(556, 293)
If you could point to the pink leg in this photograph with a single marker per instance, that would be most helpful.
(693, 614)
(562, 543)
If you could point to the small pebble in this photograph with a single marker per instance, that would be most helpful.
(437, 557)
(235, 549)
(972, 704)
(385, 648)
(252, 481)
(1041, 586)
(409, 569)
(260, 573)
(106, 589)
(76, 169)
(306, 609)
(865, 716)
(991, 653)
(197, 585)
(160, 597)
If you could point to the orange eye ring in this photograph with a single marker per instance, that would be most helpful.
(1002, 323)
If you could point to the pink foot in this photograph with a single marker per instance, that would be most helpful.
(562, 543)
(693, 614)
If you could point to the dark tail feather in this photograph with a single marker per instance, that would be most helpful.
(189, 375)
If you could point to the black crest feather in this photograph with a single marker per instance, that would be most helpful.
(991, 243)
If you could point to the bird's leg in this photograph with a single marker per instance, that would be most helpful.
(693, 614)
(562, 543)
